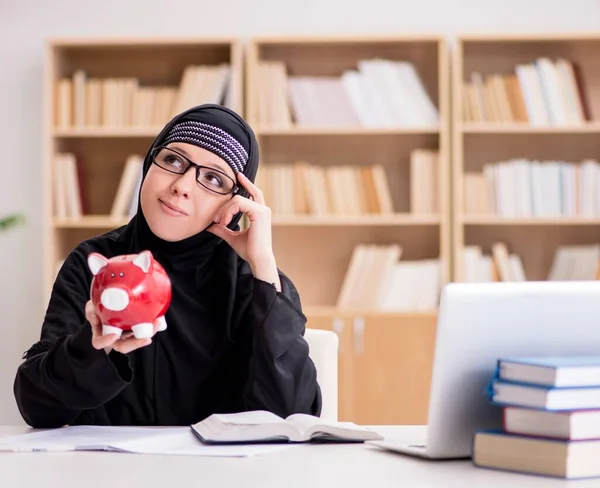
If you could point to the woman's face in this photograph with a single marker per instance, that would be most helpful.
(176, 206)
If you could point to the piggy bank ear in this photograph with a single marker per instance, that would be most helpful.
(143, 260)
(96, 262)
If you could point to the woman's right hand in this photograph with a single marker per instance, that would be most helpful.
(124, 344)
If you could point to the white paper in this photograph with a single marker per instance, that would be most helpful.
(138, 440)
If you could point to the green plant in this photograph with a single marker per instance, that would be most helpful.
(10, 221)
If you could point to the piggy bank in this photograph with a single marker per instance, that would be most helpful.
(129, 293)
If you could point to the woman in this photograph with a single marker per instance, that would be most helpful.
(234, 340)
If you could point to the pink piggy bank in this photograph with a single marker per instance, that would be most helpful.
(129, 293)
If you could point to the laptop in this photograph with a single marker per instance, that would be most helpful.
(479, 323)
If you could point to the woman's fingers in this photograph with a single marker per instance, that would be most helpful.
(238, 204)
(228, 211)
(90, 314)
(98, 340)
(102, 342)
(255, 192)
(124, 343)
(128, 345)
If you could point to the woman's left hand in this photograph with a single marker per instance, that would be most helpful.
(254, 244)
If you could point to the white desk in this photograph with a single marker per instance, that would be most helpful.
(314, 466)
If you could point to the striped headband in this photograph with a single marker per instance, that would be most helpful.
(211, 138)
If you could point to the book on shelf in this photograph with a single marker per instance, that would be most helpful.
(125, 102)
(569, 263)
(523, 188)
(262, 426)
(376, 279)
(575, 263)
(543, 92)
(500, 265)
(126, 198)
(377, 93)
(424, 181)
(69, 188)
(550, 409)
(301, 188)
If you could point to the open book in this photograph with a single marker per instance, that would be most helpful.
(263, 426)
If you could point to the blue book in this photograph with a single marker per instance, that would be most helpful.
(551, 371)
(506, 393)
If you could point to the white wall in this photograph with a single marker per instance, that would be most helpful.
(25, 24)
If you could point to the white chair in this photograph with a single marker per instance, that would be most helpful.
(323, 346)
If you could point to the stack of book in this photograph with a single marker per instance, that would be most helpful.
(543, 92)
(301, 188)
(525, 188)
(551, 418)
(88, 101)
(375, 93)
(376, 279)
(571, 262)
(70, 187)
(500, 265)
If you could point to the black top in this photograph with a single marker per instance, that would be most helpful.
(233, 342)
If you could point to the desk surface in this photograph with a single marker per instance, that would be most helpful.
(329, 465)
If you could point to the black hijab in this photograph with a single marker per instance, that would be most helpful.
(194, 250)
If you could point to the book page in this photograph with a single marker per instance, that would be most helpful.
(245, 426)
(257, 417)
(310, 425)
(304, 422)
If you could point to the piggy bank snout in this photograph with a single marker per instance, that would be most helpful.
(114, 299)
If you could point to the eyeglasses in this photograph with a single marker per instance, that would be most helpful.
(210, 178)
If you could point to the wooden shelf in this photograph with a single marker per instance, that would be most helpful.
(333, 312)
(477, 145)
(355, 146)
(106, 221)
(126, 42)
(359, 220)
(90, 222)
(345, 131)
(493, 220)
(125, 132)
(516, 128)
(315, 251)
(101, 152)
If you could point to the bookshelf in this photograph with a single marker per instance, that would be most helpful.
(106, 100)
(326, 139)
(526, 119)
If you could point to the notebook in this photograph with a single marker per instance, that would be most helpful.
(263, 427)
